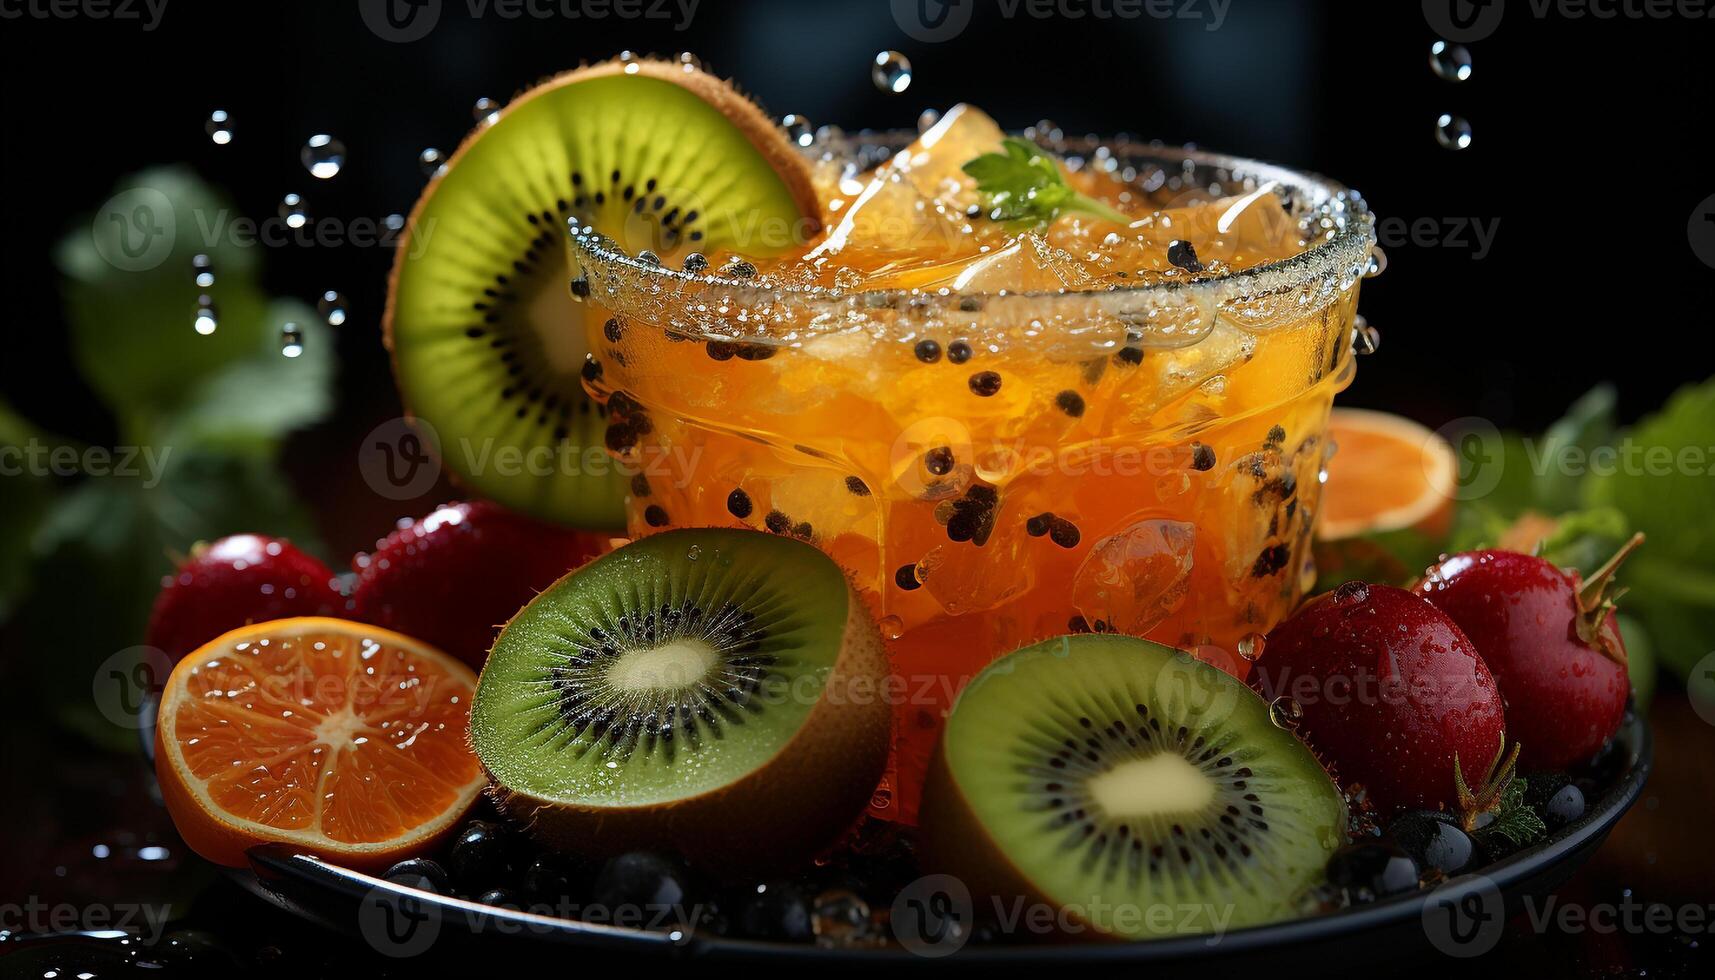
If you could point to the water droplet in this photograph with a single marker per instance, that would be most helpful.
(323, 155)
(204, 267)
(1250, 646)
(219, 127)
(1452, 132)
(332, 307)
(891, 72)
(291, 339)
(892, 627)
(798, 129)
(1366, 340)
(1285, 713)
(207, 319)
(1450, 61)
(689, 61)
(394, 222)
(1377, 263)
(485, 111)
(629, 60)
(292, 211)
(927, 119)
(430, 162)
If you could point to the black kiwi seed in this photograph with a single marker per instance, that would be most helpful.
(1183, 255)
(1064, 533)
(1070, 402)
(1202, 457)
(927, 351)
(738, 504)
(906, 578)
(985, 383)
(655, 516)
(958, 352)
(856, 487)
(939, 461)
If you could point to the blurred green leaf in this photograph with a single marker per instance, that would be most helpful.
(23, 501)
(1665, 482)
(255, 401)
(1587, 425)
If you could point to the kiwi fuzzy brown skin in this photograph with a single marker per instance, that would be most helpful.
(762, 822)
(762, 132)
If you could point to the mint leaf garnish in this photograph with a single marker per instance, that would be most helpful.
(1514, 819)
(1024, 184)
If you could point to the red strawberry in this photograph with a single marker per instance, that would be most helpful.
(454, 577)
(1551, 640)
(245, 578)
(1390, 694)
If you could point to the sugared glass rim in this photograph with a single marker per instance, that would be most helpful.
(1330, 264)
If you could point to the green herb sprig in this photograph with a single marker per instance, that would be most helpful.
(1024, 184)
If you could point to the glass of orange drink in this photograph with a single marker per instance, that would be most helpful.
(1004, 430)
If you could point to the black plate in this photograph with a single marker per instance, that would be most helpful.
(1462, 917)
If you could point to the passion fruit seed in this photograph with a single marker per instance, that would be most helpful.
(927, 351)
(958, 352)
(906, 578)
(985, 383)
(1070, 402)
(738, 504)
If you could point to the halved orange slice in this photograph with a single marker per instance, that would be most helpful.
(345, 740)
(1387, 473)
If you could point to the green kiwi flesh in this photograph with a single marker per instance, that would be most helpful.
(488, 344)
(1136, 790)
(698, 691)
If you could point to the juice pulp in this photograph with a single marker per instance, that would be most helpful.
(963, 421)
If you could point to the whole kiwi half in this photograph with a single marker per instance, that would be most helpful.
(1130, 791)
(487, 342)
(715, 693)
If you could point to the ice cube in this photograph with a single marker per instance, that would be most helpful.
(1133, 580)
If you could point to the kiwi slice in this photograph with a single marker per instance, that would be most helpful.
(717, 693)
(487, 342)
(1135, 791)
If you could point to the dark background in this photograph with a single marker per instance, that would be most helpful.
(1589, 151)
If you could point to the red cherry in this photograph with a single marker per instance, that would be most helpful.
(237, 580)
(1550, 639)
(1389, 693)
(455, 577)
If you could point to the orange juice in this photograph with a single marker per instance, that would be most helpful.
(1004, 431)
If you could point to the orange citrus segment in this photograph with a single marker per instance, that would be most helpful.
(1388, 473)
(344, 739)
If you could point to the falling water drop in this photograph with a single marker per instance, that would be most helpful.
(1376, 264)
(798, 129)
(293, 212)
(1452, 132)
(430, 162)
(892, 627)
(332, 308)
(1285, 713)
(1366, 339)
(1250, 646)
(891, 72)
(485, 111)
(291, 339)
(927, 119)
(207, 320)
(219, 127)
(1450, 61)
(323, 155)
(204, 267)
